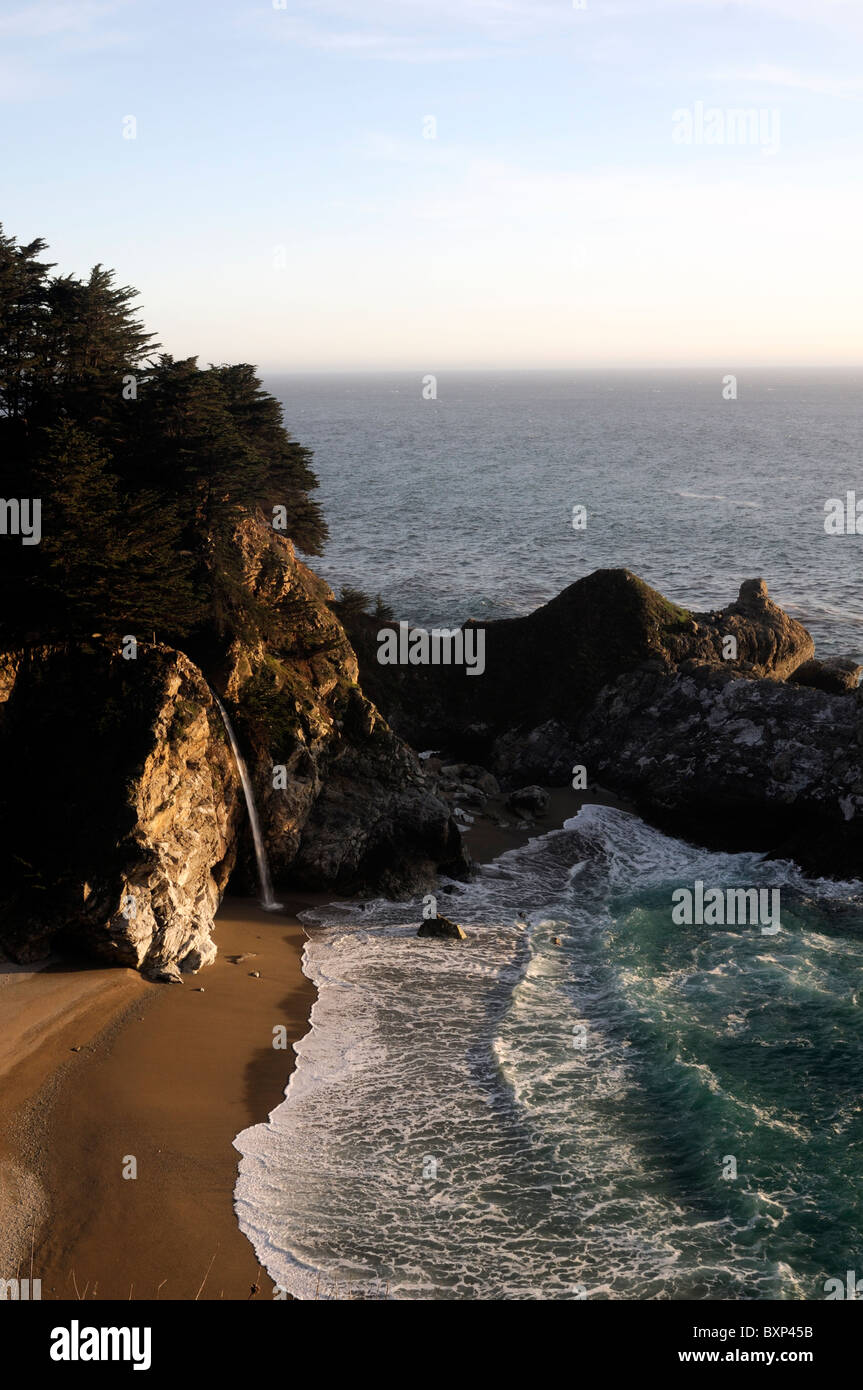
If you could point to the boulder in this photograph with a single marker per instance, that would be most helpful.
(769, 642)
(442, 927)
(547, 752)
(163, 974)
(475, 777)
(836, 676)
(528, 801)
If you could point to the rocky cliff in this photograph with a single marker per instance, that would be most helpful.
(121, 807)
(343, 800)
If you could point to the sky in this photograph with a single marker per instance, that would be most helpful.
(438, 184)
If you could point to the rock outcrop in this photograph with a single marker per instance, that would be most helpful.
(123, 818)
(342, 799)
(545, 669)
(122, 812)
(721, 725)
(735, 762)
(120, 805)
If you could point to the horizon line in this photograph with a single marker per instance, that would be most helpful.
(425, 370)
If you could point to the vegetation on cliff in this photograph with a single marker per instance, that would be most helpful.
(144, 466)
(172, 502)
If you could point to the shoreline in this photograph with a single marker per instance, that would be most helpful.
(161, 1080)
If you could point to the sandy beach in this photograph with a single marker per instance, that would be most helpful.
(100, 1068)
(166, 1075)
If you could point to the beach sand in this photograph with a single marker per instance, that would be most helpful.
(166, 1075)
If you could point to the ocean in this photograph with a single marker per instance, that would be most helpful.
(461, 507)
(584, 1100)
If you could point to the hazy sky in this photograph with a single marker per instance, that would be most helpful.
(280, 202)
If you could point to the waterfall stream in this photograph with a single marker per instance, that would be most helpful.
(265, 884)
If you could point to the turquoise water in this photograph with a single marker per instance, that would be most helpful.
(447, 1135)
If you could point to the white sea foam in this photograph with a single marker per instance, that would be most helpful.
(515, 1118)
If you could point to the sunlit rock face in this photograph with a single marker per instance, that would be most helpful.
(122, 812)
(120, 807)
(343, 801)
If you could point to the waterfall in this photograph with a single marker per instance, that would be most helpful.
(265, 884)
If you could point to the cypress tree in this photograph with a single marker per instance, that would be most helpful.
(146, 467)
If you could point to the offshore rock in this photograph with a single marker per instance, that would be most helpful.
(544, 670)
(737, 763)
(442, 927)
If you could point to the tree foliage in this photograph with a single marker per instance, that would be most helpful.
(145, 466)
